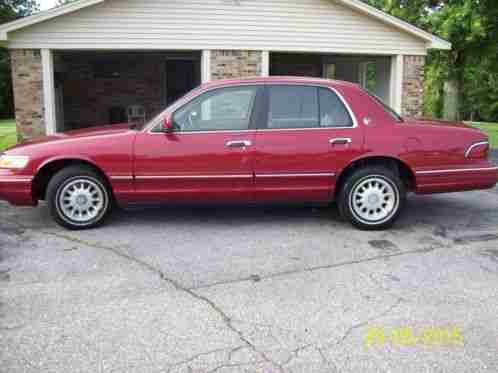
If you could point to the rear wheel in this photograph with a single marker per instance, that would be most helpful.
(78, 198)
(372, 198)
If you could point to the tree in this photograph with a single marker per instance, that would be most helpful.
(64, 2)
(10, 10)
(13, 9)
(470, 69)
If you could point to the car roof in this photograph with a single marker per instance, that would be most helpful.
(278, 79)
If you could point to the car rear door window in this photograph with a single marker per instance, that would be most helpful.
(293, 107)
(333, 113)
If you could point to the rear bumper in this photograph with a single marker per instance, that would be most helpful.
(16, 189)
(458, 179)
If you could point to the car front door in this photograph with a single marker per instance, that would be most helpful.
(208, 156)
(309, 135)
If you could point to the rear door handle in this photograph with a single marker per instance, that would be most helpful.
(340, 141)
(238, 144)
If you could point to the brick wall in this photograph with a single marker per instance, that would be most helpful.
(228, 64)
(27, 79)
(413, 86)
(89, 98)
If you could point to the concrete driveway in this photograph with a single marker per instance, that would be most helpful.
(253, 290)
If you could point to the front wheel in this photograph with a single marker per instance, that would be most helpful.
(372, 198)
(78, 198)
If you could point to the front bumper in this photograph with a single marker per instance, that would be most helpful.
(16, 189)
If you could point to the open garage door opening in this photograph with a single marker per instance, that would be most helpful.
(97, 88)
(371, 72)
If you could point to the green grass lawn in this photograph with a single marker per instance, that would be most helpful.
(8, 136)
(492, 130)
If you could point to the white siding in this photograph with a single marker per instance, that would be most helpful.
(277, 25)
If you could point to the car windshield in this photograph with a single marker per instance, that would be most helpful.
(387, 108)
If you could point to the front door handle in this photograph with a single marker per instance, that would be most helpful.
(341, 141)
(238, 144)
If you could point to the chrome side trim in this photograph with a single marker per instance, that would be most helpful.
(242, 176)
(121, 177)
(321, 174)
(430, 172)
(173, 177)
(179, 133)
(261, 130)
(467, 153)
(16, 180)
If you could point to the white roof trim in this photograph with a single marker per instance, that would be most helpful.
(44, 16)
(433, 42)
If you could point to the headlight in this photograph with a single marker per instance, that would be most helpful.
(13, 161)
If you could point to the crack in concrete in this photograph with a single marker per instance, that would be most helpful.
(322, 267)
(176, 285)
(234, 365)
(363, 323)
(326, 360)
(294, 353)
(225, 317)
(202, 354)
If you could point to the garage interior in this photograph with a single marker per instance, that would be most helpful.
(107, 87)
(371, 72)
(97, 87)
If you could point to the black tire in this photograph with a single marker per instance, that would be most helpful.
(362, 179)
(70, 176)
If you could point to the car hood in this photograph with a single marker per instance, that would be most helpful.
(76, 134)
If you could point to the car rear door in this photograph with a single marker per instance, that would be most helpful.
(308, 136)
(209, 155)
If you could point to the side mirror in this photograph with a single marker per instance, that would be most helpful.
(168, 126)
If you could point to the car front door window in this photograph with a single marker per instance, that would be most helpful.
(226, 109)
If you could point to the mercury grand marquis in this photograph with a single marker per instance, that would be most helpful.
(261, 140)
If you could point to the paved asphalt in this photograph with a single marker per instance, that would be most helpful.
(494, 155)
(287, 289)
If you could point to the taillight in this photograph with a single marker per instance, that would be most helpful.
(479, 150)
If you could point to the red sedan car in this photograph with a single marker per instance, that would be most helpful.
(258, 141)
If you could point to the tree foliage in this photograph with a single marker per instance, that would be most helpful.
(64, 2)
(13, 9)
(10, 10)
(472, 64)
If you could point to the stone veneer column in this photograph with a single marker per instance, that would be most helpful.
(27, 79)
(233, 64)
(413, 86)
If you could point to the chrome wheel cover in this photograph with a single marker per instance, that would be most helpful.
(81, 200)
(374, 200)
